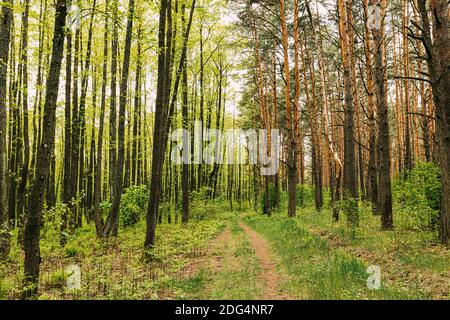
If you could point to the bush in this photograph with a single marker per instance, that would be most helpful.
(305, 195)
(418, 196)
(202, 206)
(133, 205)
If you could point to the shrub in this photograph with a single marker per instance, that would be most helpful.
(418, 196)
(133, 205)
(202, 206)
(305, 195)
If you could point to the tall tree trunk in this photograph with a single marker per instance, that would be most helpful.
(162, 116)
(67, 183)
(112, 225)
(407, 140)
(290, 140)
(438, 61)
(44, 159)
(5, 36)
(113, 98)
(385, 195)
(75, 140)
(185, 115)
(350, 178)
(372, 165)
(22, 188)
(137, 112)
(98, 220)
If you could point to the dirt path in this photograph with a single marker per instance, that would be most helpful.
(269, 276)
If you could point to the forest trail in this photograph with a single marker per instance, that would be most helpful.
(238, 264)
(269, 275)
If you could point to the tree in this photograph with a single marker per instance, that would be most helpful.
(163, 115)
(44, 158)
(5, 36)
(385, 194)
(291, 141)
(350, 181)
(438, 60)
(112, 225)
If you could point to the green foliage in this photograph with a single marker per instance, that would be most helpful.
(202, 206)
(417, 198)
(51, 217)
(57, 279)
(305, 195)
(133, 205)
(105, 206)
(71, 251)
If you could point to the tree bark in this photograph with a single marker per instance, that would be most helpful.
(44, 158)
(5, 37)
(385, 194)
(350, 188)
(438, 61)
(112, 225)
(290, 140)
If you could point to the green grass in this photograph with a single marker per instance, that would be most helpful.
(320, 258)
(235, 276)
(113, 268)
(419, 249)
(316, 271)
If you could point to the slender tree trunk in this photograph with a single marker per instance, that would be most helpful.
(66, 192)
(385, 195)
(98, 220)
(75, 140)
(438, 61)
(44, 158)
(291, 145)
(5, 37)
(372, 165)
(185, 115)
(113, 98)
(112, 225)
(350, 179)
(137, 111)
(162, 116)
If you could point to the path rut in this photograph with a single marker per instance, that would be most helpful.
(269, 276)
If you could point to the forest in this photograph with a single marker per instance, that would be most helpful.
(224, 149)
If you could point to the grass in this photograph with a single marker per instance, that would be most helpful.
(233, 275)
(419, 249)
(318, 258)
(315, 270)
(114, 268)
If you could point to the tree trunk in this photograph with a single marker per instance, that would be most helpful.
(98, 220)
(290, 140)
(112, 225)
(350, 180)
(438, 61)
(162, 116)
(5, 37)
(385, 195)
(185, 115)
(44, 159)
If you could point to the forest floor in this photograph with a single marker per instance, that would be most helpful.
(243, 255)
(259, 257)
